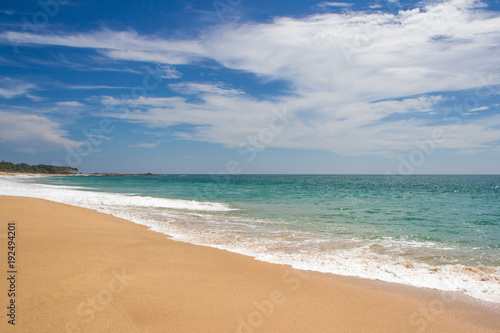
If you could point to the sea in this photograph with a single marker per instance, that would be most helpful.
(434, 231)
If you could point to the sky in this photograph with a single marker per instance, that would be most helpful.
(251, 86)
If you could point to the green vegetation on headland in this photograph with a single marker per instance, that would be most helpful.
(56, 170)
(40, 168)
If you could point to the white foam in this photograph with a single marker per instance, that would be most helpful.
(19, 186)
(254, 238)
(357, 261)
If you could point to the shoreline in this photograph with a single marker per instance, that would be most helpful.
(350, 264)
(81, 269)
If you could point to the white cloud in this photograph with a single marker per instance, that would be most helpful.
(126, 45)
(192, 88)
(168, 72)
(36, 98)
(10, 88)
(334, 4)
(80, 87)
(102, 137)
(9, 12)
(145, 145)
(32, 133)
(482, 108)
(347, 73)
(369, 56)
(353, 129)
(70, 104)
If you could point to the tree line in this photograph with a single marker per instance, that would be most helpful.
(40, 168)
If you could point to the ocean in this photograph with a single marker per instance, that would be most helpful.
(432, 231)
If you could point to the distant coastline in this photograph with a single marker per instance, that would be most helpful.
(4, 173)
(9, 168)
(23, 168)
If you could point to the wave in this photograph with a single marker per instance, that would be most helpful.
(202, 223)
(349, 257)
(22, 186)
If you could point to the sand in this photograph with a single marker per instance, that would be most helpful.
(83, 271)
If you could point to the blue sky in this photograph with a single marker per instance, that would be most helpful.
(239, 86)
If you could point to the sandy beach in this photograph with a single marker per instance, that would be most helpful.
(78, 270)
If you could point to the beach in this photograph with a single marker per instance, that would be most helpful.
(243, 166)
(83, 271)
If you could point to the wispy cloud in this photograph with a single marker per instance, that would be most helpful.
(10, 88)
(97, 87)
(167, 72)
(70, 104)
(88, 63)
(117, 45)
(32, 133)
(193, 88)
(327, 4)
(353, 129)
(36, 98)
(8, 12)
(482, 108)
(6, 61)
(145, 145)
(102, 137)
(67, 3)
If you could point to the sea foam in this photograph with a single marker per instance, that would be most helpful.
(21, 186)
(202, 223)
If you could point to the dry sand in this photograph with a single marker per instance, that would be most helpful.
(83, 271)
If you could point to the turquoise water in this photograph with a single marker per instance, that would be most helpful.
(452, 210)
(435, 231)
